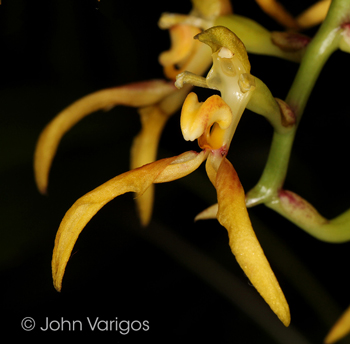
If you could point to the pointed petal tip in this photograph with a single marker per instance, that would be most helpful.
(81, 212)
(144, 222)
(58, 288)
(198, 218)
(208, 213)
(42, 190)
(57, 280)
(285, 318)
(40, 171)
(144, 206)
(340, 329)
(233, 215)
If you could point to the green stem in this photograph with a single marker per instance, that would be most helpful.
(317, 53)
(319, 50)
(269, 189)
(275, 170)
(305, 216)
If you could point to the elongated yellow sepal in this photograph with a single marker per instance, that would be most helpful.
(233, 215)
(276, 11)
(137, 180)
(314, 15)
(137, 94)
(144, 151)
(340, 329)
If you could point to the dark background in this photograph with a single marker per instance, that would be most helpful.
(178, 275)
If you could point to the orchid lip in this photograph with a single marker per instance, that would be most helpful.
(206, 121)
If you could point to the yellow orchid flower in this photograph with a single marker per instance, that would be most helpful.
(213, 124)
(156, 100)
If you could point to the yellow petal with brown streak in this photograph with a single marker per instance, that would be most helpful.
(137, 94)
(233, 215)
(183, 165)
(137, 180)
(145, 145)
(144, 151)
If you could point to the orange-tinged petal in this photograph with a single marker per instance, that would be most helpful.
(275, 10)
(145, 144)
(212, 166)
(144, 151)
(183, 165)
(233, 215)
(137, 180)
(137, 94)
(340, 329)
(181, 44)
(183, 47)
(87, 206)
(197, 119)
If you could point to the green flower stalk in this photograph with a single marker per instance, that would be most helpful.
(269, 189)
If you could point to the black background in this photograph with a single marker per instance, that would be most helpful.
(176, 274)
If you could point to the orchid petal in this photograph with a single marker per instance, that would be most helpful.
(87, 206)
(276, 11)
(233, 215)
(340, 329)
(137, 94)
(212, 8)
(197, 119)
(137, 180)
(145, 144)
(209, 213)
(314, 15)
(169, 20)
(144, 151)
(183, 47)
(183, 165)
